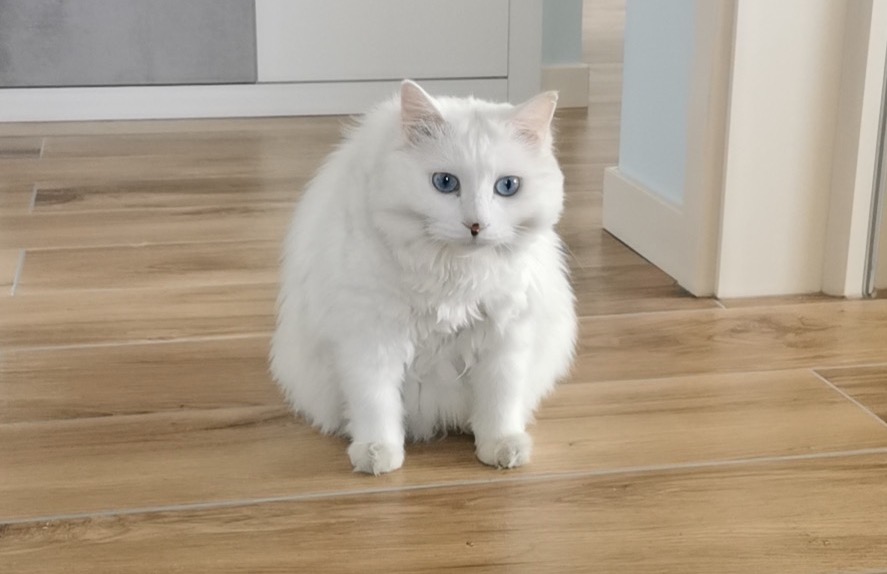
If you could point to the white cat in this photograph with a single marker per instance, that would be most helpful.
(423, 285)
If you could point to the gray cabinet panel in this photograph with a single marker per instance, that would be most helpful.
(126, 42)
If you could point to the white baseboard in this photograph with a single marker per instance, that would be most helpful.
(653, 227)
(219, 101)
(571, 80)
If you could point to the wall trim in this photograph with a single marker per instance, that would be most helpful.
(851, 200)
(647, 223)
(219, 101)
(570, 80)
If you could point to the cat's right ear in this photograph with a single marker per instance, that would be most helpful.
(419, 115)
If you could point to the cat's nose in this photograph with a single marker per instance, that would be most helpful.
(475, 228)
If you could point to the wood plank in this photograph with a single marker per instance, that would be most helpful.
(218, 454)
(98, 170)
(234, 145)
(103, 317)
(61, 384)
(136, 227)
(778, 300)
(788, 517)
(868, 385)
(221, 125)
(840, 333)
(634, 288)
(150, 266)
(12, 147)
(168, 194)
(15, 199)
(9, 264)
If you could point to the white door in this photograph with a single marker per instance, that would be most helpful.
(749, 143)
(663, 199)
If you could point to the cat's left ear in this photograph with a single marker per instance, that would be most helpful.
(532, 119)
(418, 111)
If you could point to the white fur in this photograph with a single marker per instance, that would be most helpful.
(394, 322)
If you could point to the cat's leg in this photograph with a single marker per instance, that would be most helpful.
(499, 382)
(371, 377)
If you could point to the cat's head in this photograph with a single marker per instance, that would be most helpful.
(472, 174)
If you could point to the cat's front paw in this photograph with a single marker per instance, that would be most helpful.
(507, 452)
(375, 457)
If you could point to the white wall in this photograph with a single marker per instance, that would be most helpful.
(659, 46)
(781, 126)
(561, 32)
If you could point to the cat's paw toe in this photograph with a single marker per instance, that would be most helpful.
(507, 452)
(375, 457)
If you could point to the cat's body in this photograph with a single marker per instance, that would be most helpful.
(406, 311)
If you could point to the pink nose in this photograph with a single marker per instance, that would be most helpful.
(475, 229)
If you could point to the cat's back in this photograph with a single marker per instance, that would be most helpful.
(331, 210)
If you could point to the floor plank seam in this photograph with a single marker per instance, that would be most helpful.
(33, 202)
(136, 342)
(184, 209)
(542, 477)
(850, 366)
(151, 244)
(847, 396)
(18, 272)
(143, 288)
(641, 314)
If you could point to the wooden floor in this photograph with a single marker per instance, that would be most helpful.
(139, 431)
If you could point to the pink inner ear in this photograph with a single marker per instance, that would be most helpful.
(418, 110)
(533, 118)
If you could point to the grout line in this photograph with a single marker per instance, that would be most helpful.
(18, 272)
(843, 393)
(136, 342)
(33, 203)
(551, 476)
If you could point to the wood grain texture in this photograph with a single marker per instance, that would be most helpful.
(218, 454)
(868, 385)
(140, 430)
(169, 194)
(775, 301)
(15, 147)
(196, 224)
(151, 266)
(712, 341)
(95, 382)
(791, 518)
(9, 264)
(15, 199)
(103, 317)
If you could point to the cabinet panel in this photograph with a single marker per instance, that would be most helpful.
(126, 42)
(319, 40)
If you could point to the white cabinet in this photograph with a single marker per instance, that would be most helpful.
(333, 57)
(348, 40)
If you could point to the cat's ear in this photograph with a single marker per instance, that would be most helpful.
(532, 119)
(418, 112)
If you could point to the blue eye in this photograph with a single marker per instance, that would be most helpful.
(507, 186)
(445, 182)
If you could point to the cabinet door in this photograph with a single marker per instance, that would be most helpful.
(126, 42)
(320, 40)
